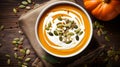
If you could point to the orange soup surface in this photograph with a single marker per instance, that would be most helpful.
(63, 30)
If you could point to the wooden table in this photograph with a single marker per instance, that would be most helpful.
(10, 21)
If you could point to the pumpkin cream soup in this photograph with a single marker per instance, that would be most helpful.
(64, 30)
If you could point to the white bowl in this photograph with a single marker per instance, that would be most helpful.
(54, 4)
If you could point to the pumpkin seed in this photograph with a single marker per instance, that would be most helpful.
(81, 32)
(15, 10)
(77, 37)
(27, 52)
(29, 1)
(20, 58)
(59, 25)
(24, 65)
(23, 51)
(60, 38)
(20, 42)
(77, 31)
(15, 48)
(46, 28)
(107, 38)
(16, 39)
(70, 33)
(20, 32)
(116, 57)
(49, 24)
(110, 53)
(75, 26)
(1, 27)
(24, 2)
(8, 61)
(27, 59)
(56, 33)
(15, 55)
(99, 33)
(68, 42)
(59, 18)
(7, 55)
(21, 39)
(50, 33)
(28, 7)
(14, 42)
(21, 6)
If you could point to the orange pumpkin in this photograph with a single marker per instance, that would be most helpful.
(103, 9)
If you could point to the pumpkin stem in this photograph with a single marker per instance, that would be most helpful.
(107, 1)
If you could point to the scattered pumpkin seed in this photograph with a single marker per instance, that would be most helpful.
(15, 48)
(7, 55)
(20, 58)
(50, 33)
(20, 32)
(77, 37)
(59, 25)
(67, 42)
(27, 59)
(27, 52)
(46, 28)
(107, 38)
(8, 61)
(15, 10)
(29, 1)
(56, 33)
(99, 33)
(14, 42)
(21, 6)
(28, 7)
(59, 18)
(60, 38)
(21, 39)
(116, 57)
(24, 65)
(23, 51)
(20, 42)
(24, 2)
(110, 53)
(1, 27)
(15, 55)
(16, 39)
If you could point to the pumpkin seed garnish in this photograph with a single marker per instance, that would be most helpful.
(77, 37)
(59, 18)
(50, 33)
(99, 33)
(67, 42)
(24, 65)
(70, 33)
(23, 51)
(16, 39)
(77, 31)
(21, 6)
(81, 32)
(27, 59)
(49, 24)
(24, 2)
(75, 26)
(60, 38)
(56, 33)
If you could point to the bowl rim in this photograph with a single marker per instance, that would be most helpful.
(63, 2)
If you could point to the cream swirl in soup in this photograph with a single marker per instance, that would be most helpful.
(64, 28)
